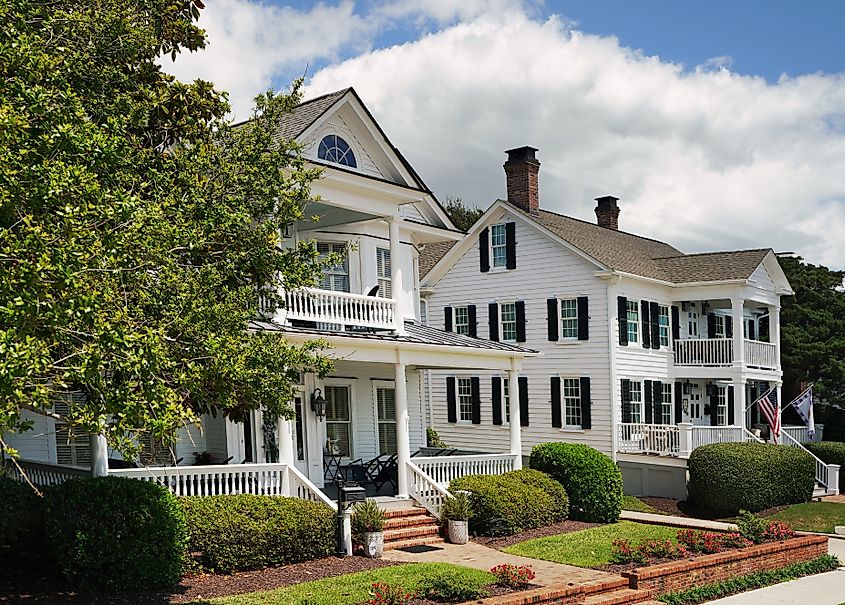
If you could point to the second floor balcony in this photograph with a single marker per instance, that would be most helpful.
(327, 309)
(717, 352)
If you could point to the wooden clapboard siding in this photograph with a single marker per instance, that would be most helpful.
(36, 444)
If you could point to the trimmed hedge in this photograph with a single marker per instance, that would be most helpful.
(591, 479)
(116, 533)
(512, 502)
(728, 477)
(22, 529)
(236, 532)
(829, 452)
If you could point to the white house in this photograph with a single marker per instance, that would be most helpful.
(374, 208)
(647, 352)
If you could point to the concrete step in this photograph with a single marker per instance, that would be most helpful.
(620, 596)
(410, 533)
(413, 542)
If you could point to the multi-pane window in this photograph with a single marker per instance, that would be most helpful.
(462, 320)
(666, 408)
(720, 326)
(572, 402)
(636, 401)
(386, 410)
(338, 421)
(498, 245)
(335, 149)
(335, 277)
(385, 289)
(568, 318)
(507, 319)
(722, 406)
(464, 400)
(633, 321)
(692, 325)
(506, 398)
(663, 320)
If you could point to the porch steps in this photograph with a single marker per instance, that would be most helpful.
(406, 527)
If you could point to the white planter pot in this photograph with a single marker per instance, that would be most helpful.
(373, 544)
(458, 532)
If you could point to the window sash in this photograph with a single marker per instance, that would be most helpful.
(667, 408)
(385, 285)
(339, 419)
(722, 406)
(498, 245)
(461, 323)
(663, 319)
(507, 321)
(572, 402)
(633, 321)
(568, 318)
(720, 326)
(506, 399)
(335, 277)
(386, 413)
(692, 324)
(464, 399)
(636, 401)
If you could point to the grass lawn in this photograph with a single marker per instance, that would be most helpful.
(813, 516)
(354, 588)
(589, 547)
(635, 504)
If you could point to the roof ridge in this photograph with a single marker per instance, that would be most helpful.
(339, 92)
(711, 253)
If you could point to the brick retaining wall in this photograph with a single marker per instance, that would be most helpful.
(708, 569)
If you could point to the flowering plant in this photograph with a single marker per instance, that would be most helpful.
(383, 593)
(625, 552)
(514, 576)
(709, 542)
(777, 531)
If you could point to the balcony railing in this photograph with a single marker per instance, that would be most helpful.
(329, 308)
(715, 352)
(760, 354)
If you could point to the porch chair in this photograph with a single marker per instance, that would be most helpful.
(388, 472)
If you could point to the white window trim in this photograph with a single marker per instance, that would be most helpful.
(570, 428)
(561, 338)
(503, 402)
(720, 316)
(455, 319)
(353, 432)
(347, 261)
(460, 419)
(668, 385)
(501, 322)
(492, 256)
(384, 279)
(721, 404)
(638, 322)
(668, 325)
(641, 410)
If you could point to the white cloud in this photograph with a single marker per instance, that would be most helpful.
(445, 11)
(705, 159)
(251, 42)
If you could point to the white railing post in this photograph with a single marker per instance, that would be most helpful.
(685, 439)
(99, 456)
(833, 479)
(516, 422)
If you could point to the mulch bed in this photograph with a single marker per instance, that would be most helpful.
(682, 508)
(564, 527)
(35, 584)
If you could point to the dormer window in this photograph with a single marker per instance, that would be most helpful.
(334, 149)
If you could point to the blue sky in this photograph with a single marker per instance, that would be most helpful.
(719, 124)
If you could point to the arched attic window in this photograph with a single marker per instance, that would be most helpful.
(335, 149)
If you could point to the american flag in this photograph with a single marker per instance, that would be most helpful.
(771, 410)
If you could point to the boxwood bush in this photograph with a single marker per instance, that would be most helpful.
(512, 502)
(116, 533)
(235, 532)
(829, 452)
(591, 479)
(22, 529)
(728, 477)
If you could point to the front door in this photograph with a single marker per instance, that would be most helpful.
(695, 410)
(385, 398)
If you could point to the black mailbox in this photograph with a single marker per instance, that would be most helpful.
(351, 494)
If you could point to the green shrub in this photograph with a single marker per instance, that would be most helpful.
(728, 477)
(115, 533)
(591, 479)
(452, 589)
(751, 526)
(432, 438)
(234, 532)
(829, 452)
(456, 508)
(367, 517)
(512, 502)
(22, 529)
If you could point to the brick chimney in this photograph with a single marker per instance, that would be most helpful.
(607, 212)
(522, 171)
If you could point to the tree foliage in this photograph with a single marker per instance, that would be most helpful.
(137, 226)
(461, 214)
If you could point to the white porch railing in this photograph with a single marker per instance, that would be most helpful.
(801, 434)
(44, 474)
(426, 490)
(760, 354)
(827, 475)
(299, 486)
(704, 352)
(642, 438)
(341, 308)
(442, 469)
(705, 435)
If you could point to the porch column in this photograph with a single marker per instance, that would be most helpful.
(516, 425)
(99, 456)
(403, 439)
(396, 274)
(780, 408)
(286, 447)
(739, 401)
(774, 330)
(738, 336)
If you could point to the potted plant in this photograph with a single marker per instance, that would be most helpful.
(368, 528)
(455, 514)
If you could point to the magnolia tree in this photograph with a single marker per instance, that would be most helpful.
(137, 226)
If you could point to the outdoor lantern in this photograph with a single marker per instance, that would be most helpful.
(318, 404)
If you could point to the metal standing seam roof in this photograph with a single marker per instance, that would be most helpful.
(416, 334)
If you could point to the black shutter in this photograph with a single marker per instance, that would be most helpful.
(622, 310)
(764, 329)
(713, 399)
(484, 250)
(552, 318)
(475, 394)
(472, 326)
(586, 404)
(583, 318)
(451, 402)
(627, 413)
(645, 327)
(676, 323)
(493, 320)
(510, 244)
(522, 382)
(752, 325)
(655, 325)
(647, 401)
(679, 406)
(711, 325)
(730, 405)
(557, 420)
(447, 319)
(729, 326)
(496, 388)
(657, 401)
(520, 320)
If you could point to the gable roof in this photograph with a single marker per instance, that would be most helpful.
(306, 113)
(431, 254)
